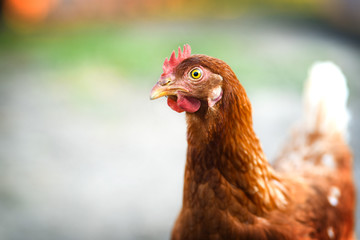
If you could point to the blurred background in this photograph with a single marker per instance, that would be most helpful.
(84, 154)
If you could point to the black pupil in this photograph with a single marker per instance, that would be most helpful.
(196, 73)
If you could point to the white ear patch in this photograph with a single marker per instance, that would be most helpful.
(215, 96)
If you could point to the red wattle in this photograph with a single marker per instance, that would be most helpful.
(174, 106)
(189, 104)
(184, 103)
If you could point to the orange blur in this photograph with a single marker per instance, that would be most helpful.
(30, 10)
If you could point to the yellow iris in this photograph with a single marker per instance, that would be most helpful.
(196, 73)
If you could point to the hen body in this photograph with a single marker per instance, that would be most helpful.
(230, 190)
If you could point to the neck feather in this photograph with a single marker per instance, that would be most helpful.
(223, 140)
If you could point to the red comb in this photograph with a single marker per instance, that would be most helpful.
(169, 65)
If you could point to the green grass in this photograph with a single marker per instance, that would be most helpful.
(136, 51)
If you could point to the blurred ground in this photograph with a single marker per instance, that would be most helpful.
(84, 154)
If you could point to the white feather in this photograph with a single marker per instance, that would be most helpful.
(326, 95)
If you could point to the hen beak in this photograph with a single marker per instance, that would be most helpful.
(165, 88)
(159, 91)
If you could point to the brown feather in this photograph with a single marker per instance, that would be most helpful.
(231, 191)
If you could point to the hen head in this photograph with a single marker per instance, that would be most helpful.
(191, 82)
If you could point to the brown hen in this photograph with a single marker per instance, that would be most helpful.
(230, 189)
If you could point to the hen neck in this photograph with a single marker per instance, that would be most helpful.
(223, 147)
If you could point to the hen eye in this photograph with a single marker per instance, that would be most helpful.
(196, 73)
